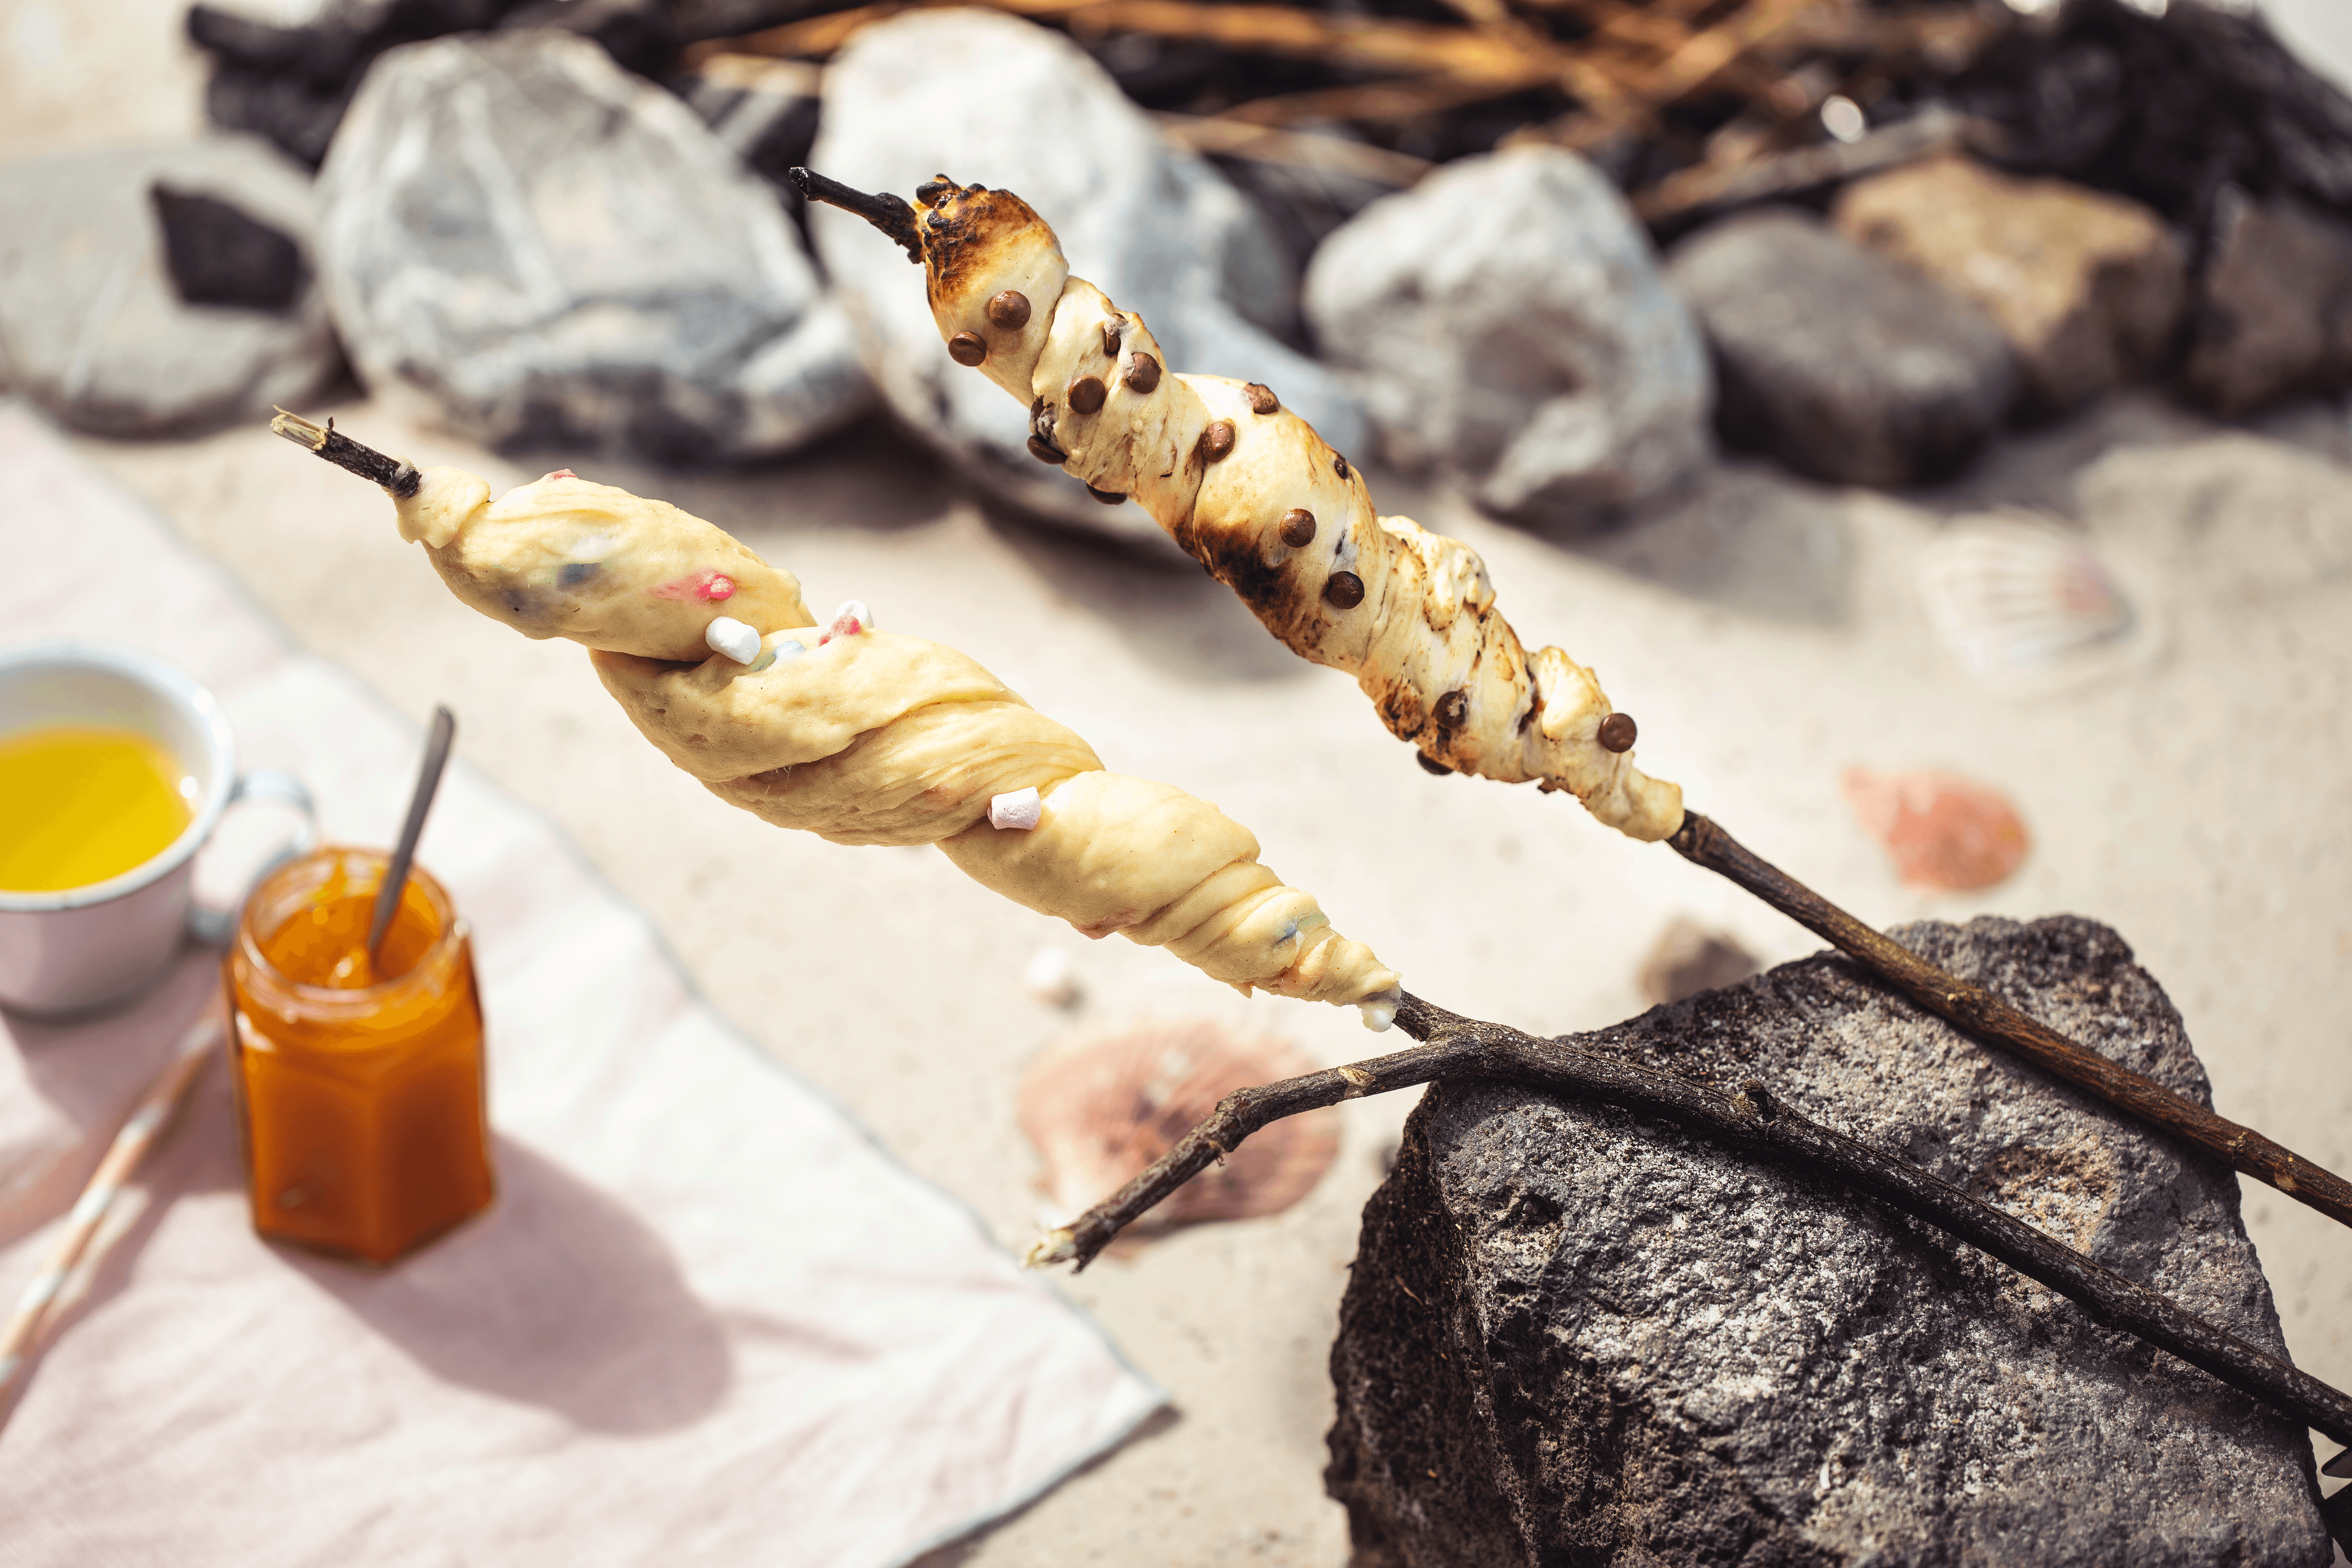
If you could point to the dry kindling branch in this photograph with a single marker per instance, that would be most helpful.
(1753, 1122)
(1979, 1011)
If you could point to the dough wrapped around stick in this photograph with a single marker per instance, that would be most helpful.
(1251, 492)
(869, 737)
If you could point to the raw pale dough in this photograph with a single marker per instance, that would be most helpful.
(872, 736)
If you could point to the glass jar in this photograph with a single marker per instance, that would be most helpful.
(359, 1094)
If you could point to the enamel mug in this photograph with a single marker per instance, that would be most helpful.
(81, 948)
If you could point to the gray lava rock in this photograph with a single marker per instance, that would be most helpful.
(1507, 319)
(550, 252)
(1576, 1336)
(1844, 365)
(100, 328)
(2274, 313)
(997, 101)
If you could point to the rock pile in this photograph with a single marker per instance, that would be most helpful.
(1507, 321)
(551, 252)
(1573, 1335)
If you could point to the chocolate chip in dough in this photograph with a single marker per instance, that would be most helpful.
(1617, 731)
(1430, 764)
(1452, 710)
(1086, 394)
(967, 349)
(1108, 497)
(1217, 441)
(1045, 454)
(1345, 590)
(1297, 528)
(1340, 466)
(1262, 399)
(1112, 330)
(1009, 310)
(1142, 373)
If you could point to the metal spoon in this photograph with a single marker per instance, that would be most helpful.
(428, 778)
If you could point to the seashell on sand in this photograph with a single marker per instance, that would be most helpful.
(1100, 1109)
(1943, 832)
(2020, 602)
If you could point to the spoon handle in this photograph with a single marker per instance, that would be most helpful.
(428, 778)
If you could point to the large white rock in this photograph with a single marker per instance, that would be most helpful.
(997, 101)
(1509, 320)
(547, 251)
(92, 326)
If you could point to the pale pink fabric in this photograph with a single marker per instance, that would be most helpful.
(709, 1321)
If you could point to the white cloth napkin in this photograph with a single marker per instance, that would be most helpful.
(708, 1321)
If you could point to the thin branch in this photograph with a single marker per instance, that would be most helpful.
(1755, 1122)
(1987, 1017)
(393, 474)
(889, 213)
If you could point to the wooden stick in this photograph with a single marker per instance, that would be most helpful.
(1754, 1123)
(1987, 1017)
(144, 1128)
(1233, 138)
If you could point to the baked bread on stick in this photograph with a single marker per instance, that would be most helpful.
(1251, 492)
(868, 736)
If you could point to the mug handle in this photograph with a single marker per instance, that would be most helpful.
(214, 927)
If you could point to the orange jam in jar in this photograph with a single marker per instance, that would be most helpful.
(359, 1086)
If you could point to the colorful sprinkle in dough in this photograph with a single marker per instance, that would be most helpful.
(578, 573)
(852, 618)
(710, 587)
(730, 636)
(1020, 809)
(887, 739)
(559, 474)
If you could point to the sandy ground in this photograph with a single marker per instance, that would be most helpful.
(1766, 632)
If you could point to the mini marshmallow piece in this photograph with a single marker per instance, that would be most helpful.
(1048, 978)
(1380, 1012)
(730, 636)
(1018, 808)
(855, 610)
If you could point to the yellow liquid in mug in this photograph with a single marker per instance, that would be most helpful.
(81, 803)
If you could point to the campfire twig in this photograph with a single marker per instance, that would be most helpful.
(1987, 1017)
(1755, 1122)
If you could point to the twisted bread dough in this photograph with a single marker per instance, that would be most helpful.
(1251, 493)
(868, 736)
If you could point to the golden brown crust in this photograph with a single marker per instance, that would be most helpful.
(1220, 465)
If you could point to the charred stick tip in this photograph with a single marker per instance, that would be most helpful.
(394, 474)
(886, 211)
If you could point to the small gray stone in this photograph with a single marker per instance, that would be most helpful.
(1507, 321)
(2275, 309)
(1844, 365)
(547, 252)
(1574, 1335)
(993, 100)
(93, 326)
